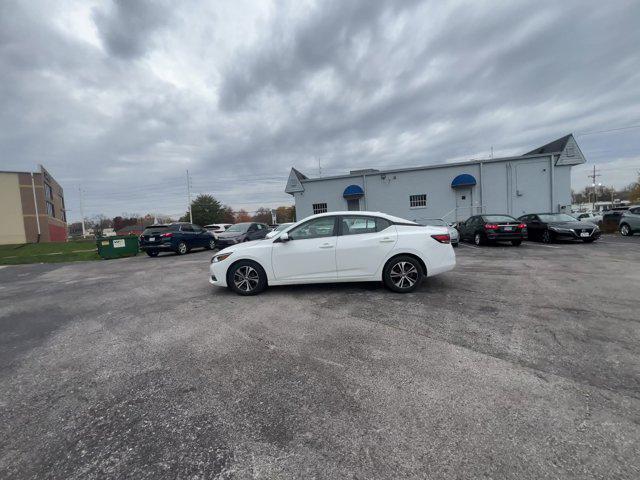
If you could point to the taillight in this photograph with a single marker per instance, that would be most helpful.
(166, 235)
(442, 238)
(522, 225)
(491, 226)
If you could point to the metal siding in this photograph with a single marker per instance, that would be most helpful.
(499, 183)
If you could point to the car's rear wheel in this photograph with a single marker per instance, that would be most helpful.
(625, 230)
(152, 253)
(546, 236)
(516, 243)
(478, 239)
(212, 244)
(246, 278)
(402, 274)
(182, 248)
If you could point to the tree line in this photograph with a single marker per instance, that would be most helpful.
(206, 210)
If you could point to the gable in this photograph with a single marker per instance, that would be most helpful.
(571, 154)
(294, 184)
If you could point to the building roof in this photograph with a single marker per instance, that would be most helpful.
(556, 146)
(296, 178)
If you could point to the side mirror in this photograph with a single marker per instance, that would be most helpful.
(284, 237)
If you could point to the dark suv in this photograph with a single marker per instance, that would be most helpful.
(175, 237)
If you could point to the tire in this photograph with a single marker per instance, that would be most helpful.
(212, 244)
(546, 237)
(246, 277)
(516, 243)
(478, 239)
(182, 248)
(152, 253)
(625, 230)
(455, 245)
(588, 240)
(402, 274)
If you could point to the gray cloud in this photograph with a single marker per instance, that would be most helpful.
(126, 26)
(122, 98)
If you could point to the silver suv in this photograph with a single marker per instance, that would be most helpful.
(630, 221)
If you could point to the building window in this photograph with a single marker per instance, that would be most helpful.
(48, 193)
(319, 208)
(50, 210)
(418, 201)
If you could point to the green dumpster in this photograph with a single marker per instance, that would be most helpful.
(118, 246)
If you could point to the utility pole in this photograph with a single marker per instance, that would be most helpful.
(81, 212)
(189, 197)
(319, 168)
(593, 177)
(492, 152)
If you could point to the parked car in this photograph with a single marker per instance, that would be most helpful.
(337, 247)
(277, 229)
(611, 219)
(630, 221)
(438, 222)
(242, 232)
(486, 228)
(591, 217)
(217, 228)
(547, 227)
(177, 237)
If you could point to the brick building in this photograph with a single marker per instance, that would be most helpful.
(31, 208)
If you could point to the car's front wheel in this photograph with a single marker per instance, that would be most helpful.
(211, 245)
(246, 277)
(625, 230)
(546, 237)
(152, 253)
(402, 274)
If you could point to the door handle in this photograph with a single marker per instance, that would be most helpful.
(326, 245)
(387, 240)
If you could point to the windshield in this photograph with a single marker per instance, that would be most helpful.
(499, 218)
(153, 229)
(435, 222)
(239, 227)
(282, 226)
(556, 217)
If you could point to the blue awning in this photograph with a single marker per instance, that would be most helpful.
(353, 191)
(463, 180)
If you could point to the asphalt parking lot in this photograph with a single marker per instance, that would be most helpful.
(524, 362)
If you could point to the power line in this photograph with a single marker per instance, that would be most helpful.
(607, 131)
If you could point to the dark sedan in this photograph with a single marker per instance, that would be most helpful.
(241, 232)
(483, 229)
(547, 227)
(175, 237)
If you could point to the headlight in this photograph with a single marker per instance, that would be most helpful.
(221, 257)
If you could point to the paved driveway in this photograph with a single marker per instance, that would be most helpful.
(521, 363)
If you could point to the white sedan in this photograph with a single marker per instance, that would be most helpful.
(337, 247)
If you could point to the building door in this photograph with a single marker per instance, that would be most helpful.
(464, 202)
(353, 204)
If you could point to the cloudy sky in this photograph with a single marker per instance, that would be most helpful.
(122, 97)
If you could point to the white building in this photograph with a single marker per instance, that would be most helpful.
(538, 181)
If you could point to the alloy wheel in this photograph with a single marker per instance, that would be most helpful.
(625, 230)
(182, 248)
(246, 278)
(477, 239)
(212, 244)
(404, 275)
(546, 236)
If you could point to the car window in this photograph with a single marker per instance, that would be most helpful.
(186, 228)
(316, 228)
(499, 218)
(260, 226)
(557, 217)
(382, 224)
(354, 225)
